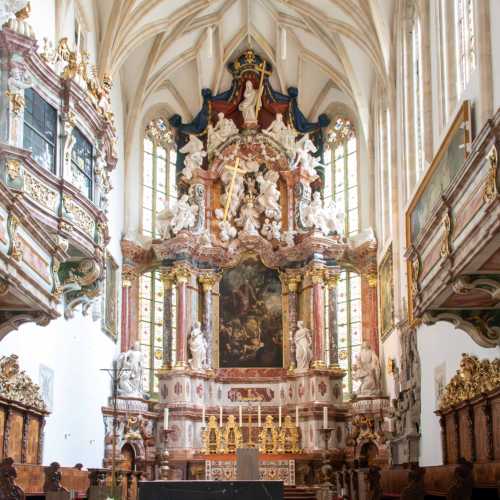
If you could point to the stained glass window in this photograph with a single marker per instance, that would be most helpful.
(159, 174)
(417, 98)
(341, 172)
(465, 42)
(349, 329)
(40, 130)
(82, 164)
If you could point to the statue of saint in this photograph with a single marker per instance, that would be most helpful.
(303, 346)
(249, 217)
(130, 364)
(224, 128)
(247, 106)
(198, 347)
(181, 215)
(366, 370)
(194, 156)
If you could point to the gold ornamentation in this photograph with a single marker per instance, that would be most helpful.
(211, 437)
(490, 186)
(289, 437)
(168, 278)
(332, 280)
(13, 168)
(445, 242)
(371, 279)
(292, 281)
(16, 102)
(81, 218)
(39, 192)
(415, 274)
(15, 385)
(473, 379)
(269, 436)
(182, 274)
(317, 275)
(207, 281)
(231, 437)
(16, 245)
(127, 278)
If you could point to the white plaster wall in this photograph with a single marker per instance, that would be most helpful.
(390, 348)
(43, 20)
(437, 344)
(495, 50)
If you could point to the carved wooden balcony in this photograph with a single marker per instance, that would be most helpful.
(453, 236)
(57, 147)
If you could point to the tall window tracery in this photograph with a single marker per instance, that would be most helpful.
(159, 174)
(465, 42)
(158, 189)
(418, 106)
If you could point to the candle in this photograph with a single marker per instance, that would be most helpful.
(296, 416)
(240, 411)
(325, 417)
(283, 44)
(279, 416)
(258, 416)
(210, 36)
(220, 416)
(165, 418)
(203, 416)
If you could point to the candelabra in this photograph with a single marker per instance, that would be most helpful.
(164, 468)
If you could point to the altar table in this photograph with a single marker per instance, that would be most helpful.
(210, 490)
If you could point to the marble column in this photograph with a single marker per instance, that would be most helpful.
(332, 282)
(127, 279)
(369, 309)
(168, 279)
(207, 282)
(317, 278)
(182, 275)
(292, 282)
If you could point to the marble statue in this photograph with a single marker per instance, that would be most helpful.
(8, 9)
(227, 230)
(198, 347)
(248, 104)
(366, 370)
(181, 215)
(271, 230)
(282, 133)
(224, 128)
(304, 157)
(130, 367)
(248, 219)
(303, 346)
(269, 197)
(288, 238)
(325, 217)
(194, 156)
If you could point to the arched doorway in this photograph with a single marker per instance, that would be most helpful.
(368, 454)
(127, 461)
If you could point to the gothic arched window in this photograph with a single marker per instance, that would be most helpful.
(341, 172)
(158, 175)
(465, 42)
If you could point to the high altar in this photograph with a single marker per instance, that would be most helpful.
(250, 257)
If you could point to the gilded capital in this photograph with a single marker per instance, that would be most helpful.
(182, 274)
(127, 278)
(317, 275)
(371, 279)
(167, 277)
(207, 281)
(332, 280)
(292, 281)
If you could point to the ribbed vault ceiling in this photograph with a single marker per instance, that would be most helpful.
(168, 50)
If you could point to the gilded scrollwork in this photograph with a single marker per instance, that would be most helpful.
(15, 384)
(13, 168)
(446, 238)
(474, 378)
(81, 217)
(39, 192)
(490, 186)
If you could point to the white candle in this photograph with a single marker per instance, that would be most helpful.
(325, 417)
(220, 416)
(210, 35)
(203, 415)
(258, 416)
(283, 44)
(296, 416)
(240, 411)
(279, 416)
(165, 418)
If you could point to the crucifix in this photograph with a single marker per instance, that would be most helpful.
(258, 103)
(235, 171)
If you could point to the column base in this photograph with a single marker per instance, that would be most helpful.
(318, 364)
(180, 365)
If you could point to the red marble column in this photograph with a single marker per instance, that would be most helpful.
(369, 310)
(168, 280)
(182, 274)
(317, 276)
(126, 313)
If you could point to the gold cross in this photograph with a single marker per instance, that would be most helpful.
(258, 104)
(235, 171)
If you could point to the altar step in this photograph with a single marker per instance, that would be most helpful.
(299, 493)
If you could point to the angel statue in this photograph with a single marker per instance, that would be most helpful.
(194, 156)
(304, 157)
(224, 128)
(179, 216)
(130, 365)
(327, 218)
(269, 197)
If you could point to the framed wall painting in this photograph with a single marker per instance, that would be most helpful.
(110, 298)
(386, 283)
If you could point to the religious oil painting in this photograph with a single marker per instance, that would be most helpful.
(445, 166)
(251, 333)
(386, 293)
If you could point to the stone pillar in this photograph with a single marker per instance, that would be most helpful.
(317, 278)
(292, 281)
(182, 275)
(369, 309)
(167, 278)
(207, 281)
(127, 278)
(331, 282)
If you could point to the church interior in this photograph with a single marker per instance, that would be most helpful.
(249, 249)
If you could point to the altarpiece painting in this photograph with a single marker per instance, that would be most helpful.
(251, 333)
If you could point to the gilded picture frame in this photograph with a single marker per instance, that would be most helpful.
(386, 293)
